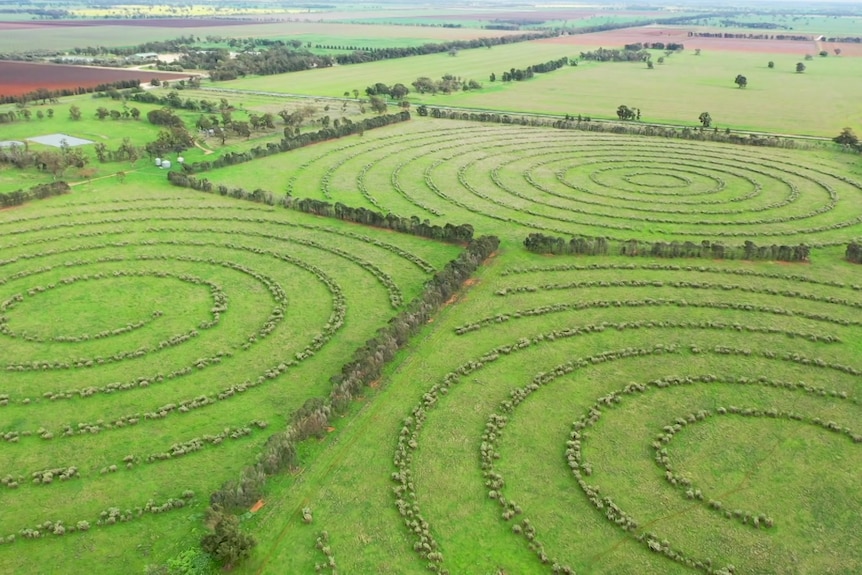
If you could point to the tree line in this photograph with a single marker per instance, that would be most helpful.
(52, 95)
(366, 366)
(741, 36)
(360, 56)
(517, 75)
(629, 53)
(580, 245)
(451, 233)
(37, 192)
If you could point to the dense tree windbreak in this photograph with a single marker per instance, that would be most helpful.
(366, 366)
(518, 75)
(543, 244)
(452, 233)
(292, 141)
(45, 94)
(38, 192)
(360, 56)
(627, 54)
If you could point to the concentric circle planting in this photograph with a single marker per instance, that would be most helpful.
(594, 184)
(147, 342)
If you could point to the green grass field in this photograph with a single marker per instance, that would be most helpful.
(597, 415)
(817, 102)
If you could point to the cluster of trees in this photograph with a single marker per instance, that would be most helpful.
(274, 60)
(626, 113)
(37, 192)
(848, 139)
(173, 100)
(542, 244)
(396, 91)
(517, 75)
(52, 95)
(854, 252)
(445, 85)
(291, 141)
(52, 161)
(126, 151)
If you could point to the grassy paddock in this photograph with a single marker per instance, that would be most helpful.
(820, 102)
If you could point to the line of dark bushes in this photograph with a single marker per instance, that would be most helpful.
(289, 143)
(579, 245)
(314, 417)
(37, 192)
(460, 233)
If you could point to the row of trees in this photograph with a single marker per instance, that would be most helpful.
(360, 56)
(44, 94)
(280, 450)
(452, 233)
(24, 114)
(631, 53)
(540, 243)
(517, 75)
(37, 192)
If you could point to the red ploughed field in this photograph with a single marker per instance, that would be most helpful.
(17, 78)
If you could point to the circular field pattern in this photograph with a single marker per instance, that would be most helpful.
(596, 184)
(147, 342)
(640, 418)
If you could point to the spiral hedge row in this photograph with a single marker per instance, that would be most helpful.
(591, 184)
(147, 340)
(581, 343)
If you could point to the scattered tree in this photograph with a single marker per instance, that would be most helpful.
(741, 81)
(800, 67)
(846, 138)
(823, 53)
(697, 51)
(705, 119)
(228, 545)
(771, 64)
(661, 59)
(650, 65)
(75, 112)
(837, 51)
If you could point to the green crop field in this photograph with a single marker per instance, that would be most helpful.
(558, 414)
